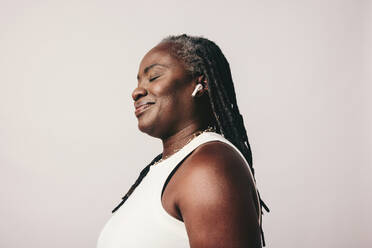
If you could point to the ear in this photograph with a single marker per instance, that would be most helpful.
(200, 87)
(203, 81)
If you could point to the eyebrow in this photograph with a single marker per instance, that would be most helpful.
(146, 70)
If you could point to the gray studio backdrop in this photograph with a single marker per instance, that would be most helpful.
(69, 144)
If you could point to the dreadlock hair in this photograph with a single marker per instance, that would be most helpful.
(202, 57)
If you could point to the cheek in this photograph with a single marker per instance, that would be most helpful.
(161, 89)
(166, 95)
(171, 96)
(168, 107)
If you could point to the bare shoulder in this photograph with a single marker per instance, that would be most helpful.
(217, 160)
(217, 198)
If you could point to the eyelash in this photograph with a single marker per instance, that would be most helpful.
(153, 78)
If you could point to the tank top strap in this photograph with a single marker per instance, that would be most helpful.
(164, 170)
(161, 173)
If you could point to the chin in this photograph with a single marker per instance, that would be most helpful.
(150, 123)
(146, 126)
(143, 128)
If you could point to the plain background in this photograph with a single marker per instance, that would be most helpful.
(69, 143)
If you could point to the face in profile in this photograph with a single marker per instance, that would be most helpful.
(162, 98)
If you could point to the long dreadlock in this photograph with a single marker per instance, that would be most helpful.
(203, 57)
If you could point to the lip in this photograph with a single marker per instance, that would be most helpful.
(141, 106)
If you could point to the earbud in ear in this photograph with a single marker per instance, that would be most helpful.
(197, 88)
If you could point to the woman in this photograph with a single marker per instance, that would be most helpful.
(200, 191)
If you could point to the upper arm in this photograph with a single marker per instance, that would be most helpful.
(216, 199)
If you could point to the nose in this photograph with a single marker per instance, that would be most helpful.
(138, 92)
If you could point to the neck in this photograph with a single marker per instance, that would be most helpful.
(176, 141)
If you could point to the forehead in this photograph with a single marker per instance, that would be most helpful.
(160, 54)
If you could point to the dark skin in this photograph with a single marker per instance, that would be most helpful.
(209, 191)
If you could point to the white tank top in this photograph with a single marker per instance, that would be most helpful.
(142, 222)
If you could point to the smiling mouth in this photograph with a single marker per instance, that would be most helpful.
(142, 108)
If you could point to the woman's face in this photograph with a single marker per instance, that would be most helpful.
(163, 102)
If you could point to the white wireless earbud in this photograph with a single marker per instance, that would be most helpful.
(197, 88)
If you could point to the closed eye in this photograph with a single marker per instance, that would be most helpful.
(153, 78)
